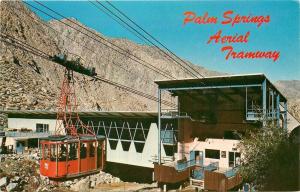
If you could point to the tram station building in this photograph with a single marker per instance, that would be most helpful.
(194, 142)
(210, 116)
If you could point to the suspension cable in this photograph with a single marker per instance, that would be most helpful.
(26, 47)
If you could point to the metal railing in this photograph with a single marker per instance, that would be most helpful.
(174, 114)
(198, 174)
(27, 134)
(166, 159)
(257, 114)
(212, 166)
(167, 137)
(231, 172)
(198, 183)
(181, 166)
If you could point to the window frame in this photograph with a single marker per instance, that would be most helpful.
(212, 156)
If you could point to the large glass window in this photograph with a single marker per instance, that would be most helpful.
(211, 153)
(41, 128)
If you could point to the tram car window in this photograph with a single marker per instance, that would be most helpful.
(62, 152)
(92, 149)
(73, 151)
(53, 152)
(46, 152)
(83, 150)
(99, 148)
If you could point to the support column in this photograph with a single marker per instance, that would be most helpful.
(285, 116)
(153, 177)
(165, 187)
(246, 102)
(278, 109)
(264, 102)
(159, 126)
(272, 104)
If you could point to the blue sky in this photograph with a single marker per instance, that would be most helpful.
(164, 20)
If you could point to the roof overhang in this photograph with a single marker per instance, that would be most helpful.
(82, 114)
(218, 82)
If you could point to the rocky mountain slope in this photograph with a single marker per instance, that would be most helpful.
(30, 82)
(291, 89)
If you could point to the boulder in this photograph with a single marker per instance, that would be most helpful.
(93, 184)
(68, 183)
(15, 179)
(3, 181)
(11, 187)
(82, 185)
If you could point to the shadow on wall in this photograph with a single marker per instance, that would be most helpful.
(129, 173)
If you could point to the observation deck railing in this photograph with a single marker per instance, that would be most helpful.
(29, 134)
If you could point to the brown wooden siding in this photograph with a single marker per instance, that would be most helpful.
(227, 115)
(233, 182)
(166, 174)
(218, 181)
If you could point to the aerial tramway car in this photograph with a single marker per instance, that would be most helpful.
(74, 150)
(68, 156)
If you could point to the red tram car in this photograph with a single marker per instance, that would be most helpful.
(67, 156)
(75, 149)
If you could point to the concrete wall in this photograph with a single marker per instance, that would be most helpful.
(18, 123)
(217, 144)
(132, 157)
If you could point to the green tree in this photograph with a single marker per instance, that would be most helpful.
(270, 159)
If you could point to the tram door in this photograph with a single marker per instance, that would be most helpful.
(234, 159)
(192, 157)
(199, 157)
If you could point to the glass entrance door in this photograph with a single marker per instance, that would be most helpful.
(234, 159)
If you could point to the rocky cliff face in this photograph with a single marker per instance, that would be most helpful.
(30, 82)
(291, 89)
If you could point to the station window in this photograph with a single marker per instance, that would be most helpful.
(125, 145)
(41, 128)
(73, 151)
(223, 154)
(169, 149)
(212, 154)
(139, 147)
(235, 135)
(113, 144)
